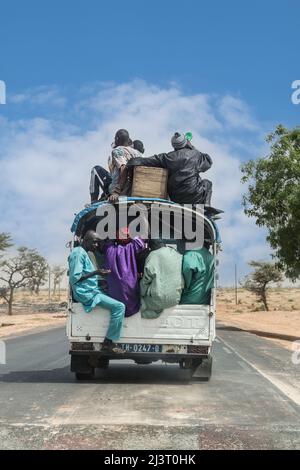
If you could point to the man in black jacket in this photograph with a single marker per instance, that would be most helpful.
(184, 165)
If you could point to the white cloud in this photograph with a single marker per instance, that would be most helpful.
(236, 114)
(46, 163)
(39, 96)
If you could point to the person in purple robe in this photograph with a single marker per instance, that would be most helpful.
(123, 280)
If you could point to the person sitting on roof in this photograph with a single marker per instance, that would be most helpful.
(84, 283)
(138, 145)
(162, 282)
(198, 273)
(184, 164)
(123, 280)
(114, 183)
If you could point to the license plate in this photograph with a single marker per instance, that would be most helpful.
(141, 348)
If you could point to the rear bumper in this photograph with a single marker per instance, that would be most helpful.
(142, 356)
(203, 351)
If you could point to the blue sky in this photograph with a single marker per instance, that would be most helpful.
(77, 70)
(246, 48)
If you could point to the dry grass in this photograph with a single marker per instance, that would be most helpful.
(27, 323)
(283, 317)
(33, 312)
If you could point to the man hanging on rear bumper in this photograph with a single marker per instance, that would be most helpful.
(83, 278)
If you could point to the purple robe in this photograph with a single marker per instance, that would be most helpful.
(123, 281)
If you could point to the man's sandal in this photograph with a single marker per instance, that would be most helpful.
(112, 348)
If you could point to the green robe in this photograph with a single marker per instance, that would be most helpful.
(198, 273)
(162, 282)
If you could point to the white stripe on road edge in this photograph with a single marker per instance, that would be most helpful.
(287, 390)
(244, 366)
(227, 350)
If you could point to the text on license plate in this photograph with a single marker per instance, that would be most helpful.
(141, 348)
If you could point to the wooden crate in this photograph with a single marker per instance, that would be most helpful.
(150, 182)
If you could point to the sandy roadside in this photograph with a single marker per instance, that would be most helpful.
(283, 318)
(276, 322)
(16, 325)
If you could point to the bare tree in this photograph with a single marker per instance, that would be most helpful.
(259, 280)
(18, 271)
(58, 272)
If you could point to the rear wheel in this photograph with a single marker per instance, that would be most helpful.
(103, 363)
(81, 366)
(84, 375)
(202, 369)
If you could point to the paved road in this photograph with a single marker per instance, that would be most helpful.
(252, 400)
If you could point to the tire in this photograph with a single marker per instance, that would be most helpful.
(84, 376)
(202, 371)
(103, 363)
(80, 365)
(196, 363)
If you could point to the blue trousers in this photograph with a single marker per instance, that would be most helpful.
(100, 179)
(117, 312)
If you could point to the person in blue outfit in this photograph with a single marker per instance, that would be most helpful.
(84, 283)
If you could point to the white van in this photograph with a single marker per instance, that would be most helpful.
(182, 334)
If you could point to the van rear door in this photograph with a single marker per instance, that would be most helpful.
(176, 325)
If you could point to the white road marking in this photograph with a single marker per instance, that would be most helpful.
(287, 390)
(244, 366)
(227, 350)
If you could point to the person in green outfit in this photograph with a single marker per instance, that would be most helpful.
(162, 281)
(198, 273)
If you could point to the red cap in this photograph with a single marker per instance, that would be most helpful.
(123, 235)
